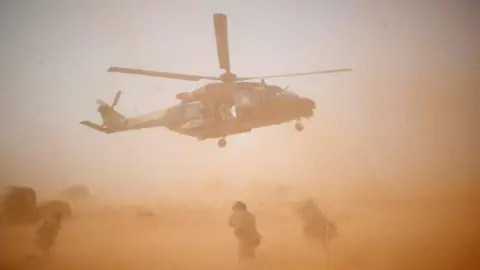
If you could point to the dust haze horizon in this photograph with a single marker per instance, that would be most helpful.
(408, 111)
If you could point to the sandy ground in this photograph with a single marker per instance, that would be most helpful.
(375, 234)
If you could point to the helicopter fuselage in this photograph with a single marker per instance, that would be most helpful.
(215, 111)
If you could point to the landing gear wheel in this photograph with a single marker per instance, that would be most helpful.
(222, 143)
(299, 127)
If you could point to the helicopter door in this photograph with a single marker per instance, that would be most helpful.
(242, 99)
(244, 105)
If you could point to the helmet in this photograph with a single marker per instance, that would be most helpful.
(239, 205)
(306, 206)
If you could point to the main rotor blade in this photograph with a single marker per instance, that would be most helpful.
(221, 36)
(295, 74)
(177, 76)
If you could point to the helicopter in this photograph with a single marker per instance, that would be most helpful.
(254, 104)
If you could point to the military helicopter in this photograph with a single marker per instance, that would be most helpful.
(257, 104)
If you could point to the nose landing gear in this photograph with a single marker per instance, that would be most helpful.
(222, 143)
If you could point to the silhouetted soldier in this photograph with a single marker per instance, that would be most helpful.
(245, 230)
(316, 226)
(48, 232)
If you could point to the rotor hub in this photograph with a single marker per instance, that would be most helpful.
(228, 77)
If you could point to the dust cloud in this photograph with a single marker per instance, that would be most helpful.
(402, 199)
(377, 231)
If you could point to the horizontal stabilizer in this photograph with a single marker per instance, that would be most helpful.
(96, 127)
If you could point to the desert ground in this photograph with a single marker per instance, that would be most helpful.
(377, 231)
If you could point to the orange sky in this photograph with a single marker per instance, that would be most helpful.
(409, 105)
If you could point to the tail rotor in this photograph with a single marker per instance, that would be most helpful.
(116, 99)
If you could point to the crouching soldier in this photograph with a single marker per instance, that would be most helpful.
(48, 232)
(245, 230)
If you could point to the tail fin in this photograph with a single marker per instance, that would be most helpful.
(108, 113)
(111, 118)
(113, 121)
(96, 127)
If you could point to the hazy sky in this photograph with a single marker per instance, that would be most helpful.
(407, 58)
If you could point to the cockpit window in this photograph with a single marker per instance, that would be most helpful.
(276, 90)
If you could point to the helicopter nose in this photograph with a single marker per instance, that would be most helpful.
(308, 103)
